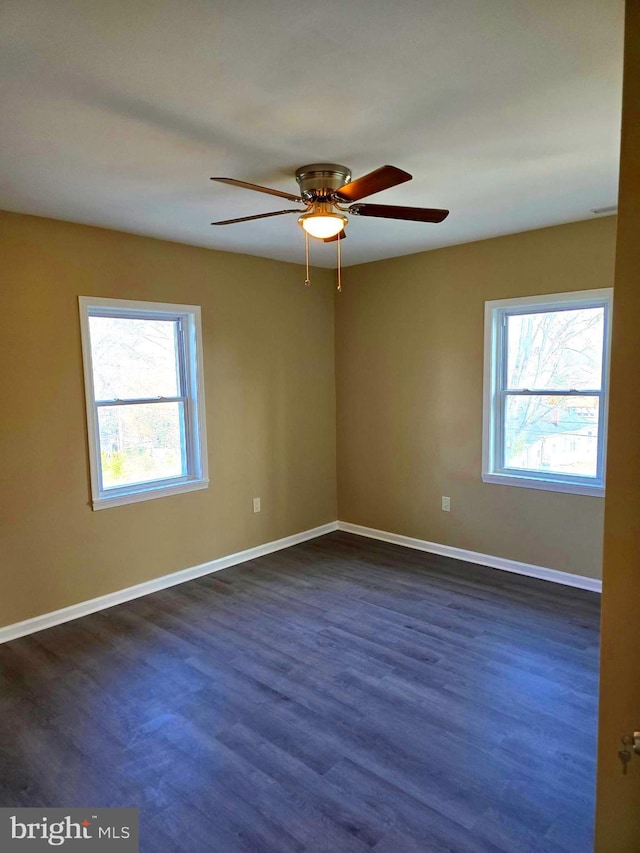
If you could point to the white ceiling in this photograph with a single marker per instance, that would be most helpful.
(116, 112)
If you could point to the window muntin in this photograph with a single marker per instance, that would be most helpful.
(546, 369)
(145, 399)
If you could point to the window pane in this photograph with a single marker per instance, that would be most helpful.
(141, 442)
(134, 358)
(555, 349)
(556, 435)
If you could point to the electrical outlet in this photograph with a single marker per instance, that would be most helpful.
(256, 504)
(446, 504)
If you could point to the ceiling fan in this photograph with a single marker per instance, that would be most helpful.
(326, 190)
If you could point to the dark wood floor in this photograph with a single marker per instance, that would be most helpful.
(343, 695)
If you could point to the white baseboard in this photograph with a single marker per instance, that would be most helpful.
(553, 575)
(75, 611)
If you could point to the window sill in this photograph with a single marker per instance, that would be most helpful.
(546, 485)
(149, 494)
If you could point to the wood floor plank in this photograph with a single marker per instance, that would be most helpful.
(343, 695)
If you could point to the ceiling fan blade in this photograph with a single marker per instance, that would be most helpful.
(393, 211)
(256, 216)
(339, 236)
(234, 183)
(380, 179)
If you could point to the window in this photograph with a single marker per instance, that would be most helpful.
(545, 391)
(145, 399)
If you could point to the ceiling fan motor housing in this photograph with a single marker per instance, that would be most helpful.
(319, 181)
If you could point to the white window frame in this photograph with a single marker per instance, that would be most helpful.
(191, 395)
(493, 469)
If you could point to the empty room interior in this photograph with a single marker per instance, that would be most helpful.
(320, 489)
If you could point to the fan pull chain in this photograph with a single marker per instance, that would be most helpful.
(338, 241)
(307, 280)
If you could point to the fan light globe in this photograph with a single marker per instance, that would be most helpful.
(322, 225)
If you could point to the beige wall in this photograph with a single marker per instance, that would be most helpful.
(409, 363)
(618, 795)
(409, 399)
(270, 402)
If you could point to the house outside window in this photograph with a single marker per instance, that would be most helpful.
(546, 391)
(144, 393)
